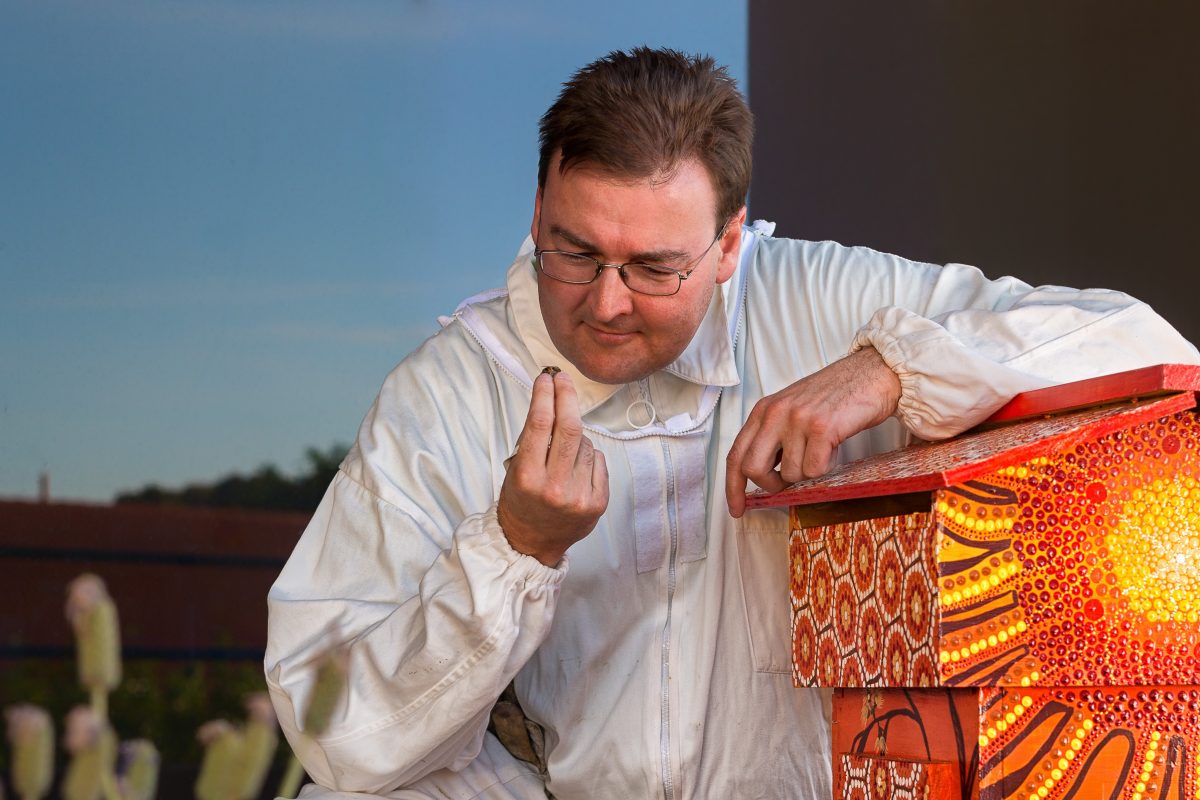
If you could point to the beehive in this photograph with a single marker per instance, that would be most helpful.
(1014, 613)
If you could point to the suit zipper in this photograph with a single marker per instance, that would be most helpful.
(664, 736)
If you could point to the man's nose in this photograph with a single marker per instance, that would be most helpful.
(610, 297)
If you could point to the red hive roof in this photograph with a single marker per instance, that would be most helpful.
(1109, 403)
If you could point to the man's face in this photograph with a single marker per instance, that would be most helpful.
(609, 332)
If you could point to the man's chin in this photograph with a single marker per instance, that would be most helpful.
(614, 374)
(614, 366)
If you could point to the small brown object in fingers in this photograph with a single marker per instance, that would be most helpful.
(550, 370)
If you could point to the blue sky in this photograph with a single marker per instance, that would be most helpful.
(222, 222)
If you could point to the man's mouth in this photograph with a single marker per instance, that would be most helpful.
(606, 336)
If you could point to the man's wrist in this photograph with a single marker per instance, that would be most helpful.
(511, 529)
(885, 378)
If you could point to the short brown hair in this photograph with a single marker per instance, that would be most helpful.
(641, 113)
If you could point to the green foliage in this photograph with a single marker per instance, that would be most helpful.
(267, 488)
(165, 702)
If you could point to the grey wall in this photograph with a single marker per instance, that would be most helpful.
(1053, 141)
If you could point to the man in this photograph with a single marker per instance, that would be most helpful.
(581, 532)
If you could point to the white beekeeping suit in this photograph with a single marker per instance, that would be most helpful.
(656, 656)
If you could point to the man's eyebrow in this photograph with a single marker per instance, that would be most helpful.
(665, 256)
(584, 246)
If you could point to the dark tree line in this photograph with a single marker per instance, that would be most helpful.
(265, 488)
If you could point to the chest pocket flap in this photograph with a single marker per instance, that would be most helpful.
(762, 543)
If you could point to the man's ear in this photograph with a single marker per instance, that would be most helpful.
(731, 246)
(537, 215)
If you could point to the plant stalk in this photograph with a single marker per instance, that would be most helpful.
(290, 784)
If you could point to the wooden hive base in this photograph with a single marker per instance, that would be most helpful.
(1002, 743)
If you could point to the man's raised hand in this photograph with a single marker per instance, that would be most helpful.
(799, 428)
(556, 486)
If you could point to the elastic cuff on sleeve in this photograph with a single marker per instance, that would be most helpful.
(943, 390)
(945, 387)
(492, 536)
(889, 350)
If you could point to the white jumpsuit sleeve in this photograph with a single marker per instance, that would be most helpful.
(405, 564)
(971, 344)
(961, 344)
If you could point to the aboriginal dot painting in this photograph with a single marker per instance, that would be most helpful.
(867, 777)
(1055, 598)
(880, 735)
(1077, 569)
(1133, 743)
(862, 604)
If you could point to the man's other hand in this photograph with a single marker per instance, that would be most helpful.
(799, 428)
(556, 486)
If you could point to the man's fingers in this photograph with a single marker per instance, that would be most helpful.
(792, 463)
(817, 457)
(755, 453)
(600, 481)
(735, 486)
(735, 497)
(735, 476)
(760, 460)
(568, 427)
(769, 481)
(539, 423)
(585, 458)
(557, 487)
(590, 465)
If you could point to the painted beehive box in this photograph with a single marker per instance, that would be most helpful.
(1014, 613)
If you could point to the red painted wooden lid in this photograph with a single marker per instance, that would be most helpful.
(1109, 403)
